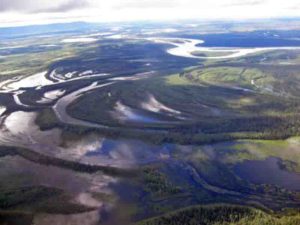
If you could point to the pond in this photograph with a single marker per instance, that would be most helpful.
(268, 171)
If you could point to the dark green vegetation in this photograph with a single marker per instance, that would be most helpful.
(157, 183)
(221, 215)
(227, 101)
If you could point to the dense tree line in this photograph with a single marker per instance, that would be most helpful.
(222, 215)
(76, 166)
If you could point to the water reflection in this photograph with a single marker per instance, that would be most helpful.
(129, 152)
(268, 171)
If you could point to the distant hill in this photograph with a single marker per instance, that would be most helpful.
(22, 31)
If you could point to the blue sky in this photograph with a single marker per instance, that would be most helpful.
(21, 12)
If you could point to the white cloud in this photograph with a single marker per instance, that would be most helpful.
(34, 6)
(46, 11)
